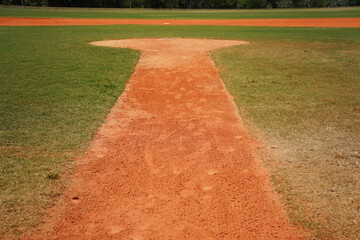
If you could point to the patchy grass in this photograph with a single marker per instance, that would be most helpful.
(304, 98)
(181, 14)
(56, 89)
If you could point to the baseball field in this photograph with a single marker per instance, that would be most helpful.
(140, 126)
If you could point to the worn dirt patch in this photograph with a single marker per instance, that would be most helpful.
(173, 159)
(306, 22)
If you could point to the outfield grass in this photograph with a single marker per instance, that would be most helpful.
(348, 12)
(299, 86)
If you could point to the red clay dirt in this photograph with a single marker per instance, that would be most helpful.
(306, 22)
(172, 160)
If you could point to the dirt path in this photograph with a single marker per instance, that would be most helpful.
(172, 160)
(306, 22)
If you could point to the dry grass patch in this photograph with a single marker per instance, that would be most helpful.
(304, 97)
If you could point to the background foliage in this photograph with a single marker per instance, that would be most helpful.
(197, 4)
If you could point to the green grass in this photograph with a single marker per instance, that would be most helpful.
(301, 91)
(182, 14)
(55, 91)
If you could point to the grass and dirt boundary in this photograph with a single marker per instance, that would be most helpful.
(298, 86)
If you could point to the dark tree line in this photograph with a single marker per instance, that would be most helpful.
(189, 4)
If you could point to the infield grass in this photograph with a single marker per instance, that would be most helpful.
(348, 12)
(299, 86)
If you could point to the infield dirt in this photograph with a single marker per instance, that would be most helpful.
(172, 160)
(307, 22)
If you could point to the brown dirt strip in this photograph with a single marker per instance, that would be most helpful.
(173, 159)
(308, 22)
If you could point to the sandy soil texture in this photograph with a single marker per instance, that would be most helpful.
(307, 22)
(173, 159)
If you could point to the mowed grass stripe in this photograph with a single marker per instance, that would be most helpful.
(56, 90)
(348, 12)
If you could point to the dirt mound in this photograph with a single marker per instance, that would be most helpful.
(172, 160)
